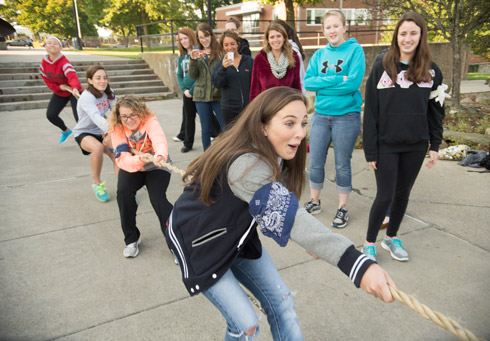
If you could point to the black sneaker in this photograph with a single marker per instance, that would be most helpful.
(185, 149)
(313, 208)
(340, 220)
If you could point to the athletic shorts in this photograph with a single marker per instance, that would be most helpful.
(80, 137)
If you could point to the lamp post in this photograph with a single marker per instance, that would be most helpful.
(210, 20)
(79, 32)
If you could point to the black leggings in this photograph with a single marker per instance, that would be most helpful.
(395, 177)
(128, 184)
(189, 112)
(56, 104)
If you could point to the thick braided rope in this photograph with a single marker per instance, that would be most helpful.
(433, 316)
(161, 163)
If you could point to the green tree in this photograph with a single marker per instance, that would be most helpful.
(458, 21)
(199, 8)
(122, 16)
(52, 17)
(8, 10)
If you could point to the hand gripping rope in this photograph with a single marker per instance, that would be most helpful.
(423, 310)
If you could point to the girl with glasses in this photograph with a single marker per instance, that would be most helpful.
(140, 146)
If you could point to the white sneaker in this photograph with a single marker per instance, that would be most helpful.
(132, 249)
(176, 139)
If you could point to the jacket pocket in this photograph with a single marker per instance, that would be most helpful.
(216, 93)
(199, 93)
(209, 237)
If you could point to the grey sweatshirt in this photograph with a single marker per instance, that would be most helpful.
(248, 173)
(91, 111)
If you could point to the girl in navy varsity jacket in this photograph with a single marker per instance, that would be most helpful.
(402, 119)
(251, 177)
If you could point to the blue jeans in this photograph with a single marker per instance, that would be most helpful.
(261, 277)
(205, 110)
(343, 132)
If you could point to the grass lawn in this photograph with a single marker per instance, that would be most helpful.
(132, 52)
(477, 76)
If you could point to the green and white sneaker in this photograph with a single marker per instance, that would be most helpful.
(369, 250)
(101, 192)
(394, 245)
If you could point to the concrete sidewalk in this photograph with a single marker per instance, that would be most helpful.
(63, 275)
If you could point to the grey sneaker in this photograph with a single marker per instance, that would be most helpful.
(370, 251)
(340, 220)
(313, 208)
(132, 250)
(394, 245)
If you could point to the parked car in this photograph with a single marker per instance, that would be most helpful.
(19, 42)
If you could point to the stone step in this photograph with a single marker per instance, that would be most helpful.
(42, 88)
(82, 68)
(47, 96)
(40, 82)
(81, 75)
(42, 104)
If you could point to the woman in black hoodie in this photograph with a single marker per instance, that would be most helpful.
(403, 117)
(233, 76)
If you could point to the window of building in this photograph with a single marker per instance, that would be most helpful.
(275, 14)
(353, 16)
(314, 16)
(251, 22)
(357, 16)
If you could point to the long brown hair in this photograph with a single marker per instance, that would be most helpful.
(287, 48)
(216, 51)
(291, 32)
(192, 39)
(137, 105)
(418, 68)
(229, 34)
(246, 136)
(90, 74)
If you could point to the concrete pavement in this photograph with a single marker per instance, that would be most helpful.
(63, 275)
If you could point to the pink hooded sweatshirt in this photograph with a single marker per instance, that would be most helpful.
(152, 141)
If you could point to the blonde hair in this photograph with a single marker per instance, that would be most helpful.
(137, 105)
(336, 12)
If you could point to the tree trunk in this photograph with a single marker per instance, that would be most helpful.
(456, 79)
(456, 45)
(289, 12)
(125, 37)
(146, 40)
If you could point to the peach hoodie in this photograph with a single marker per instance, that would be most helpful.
(155, 143)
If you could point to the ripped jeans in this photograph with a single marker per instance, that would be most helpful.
(261, 277)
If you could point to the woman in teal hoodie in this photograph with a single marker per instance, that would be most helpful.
(187, 39)
(335, 73)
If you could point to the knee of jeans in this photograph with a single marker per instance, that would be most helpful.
(288, 306)
(246, 335)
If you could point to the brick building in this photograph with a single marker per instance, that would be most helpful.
(255, 17)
